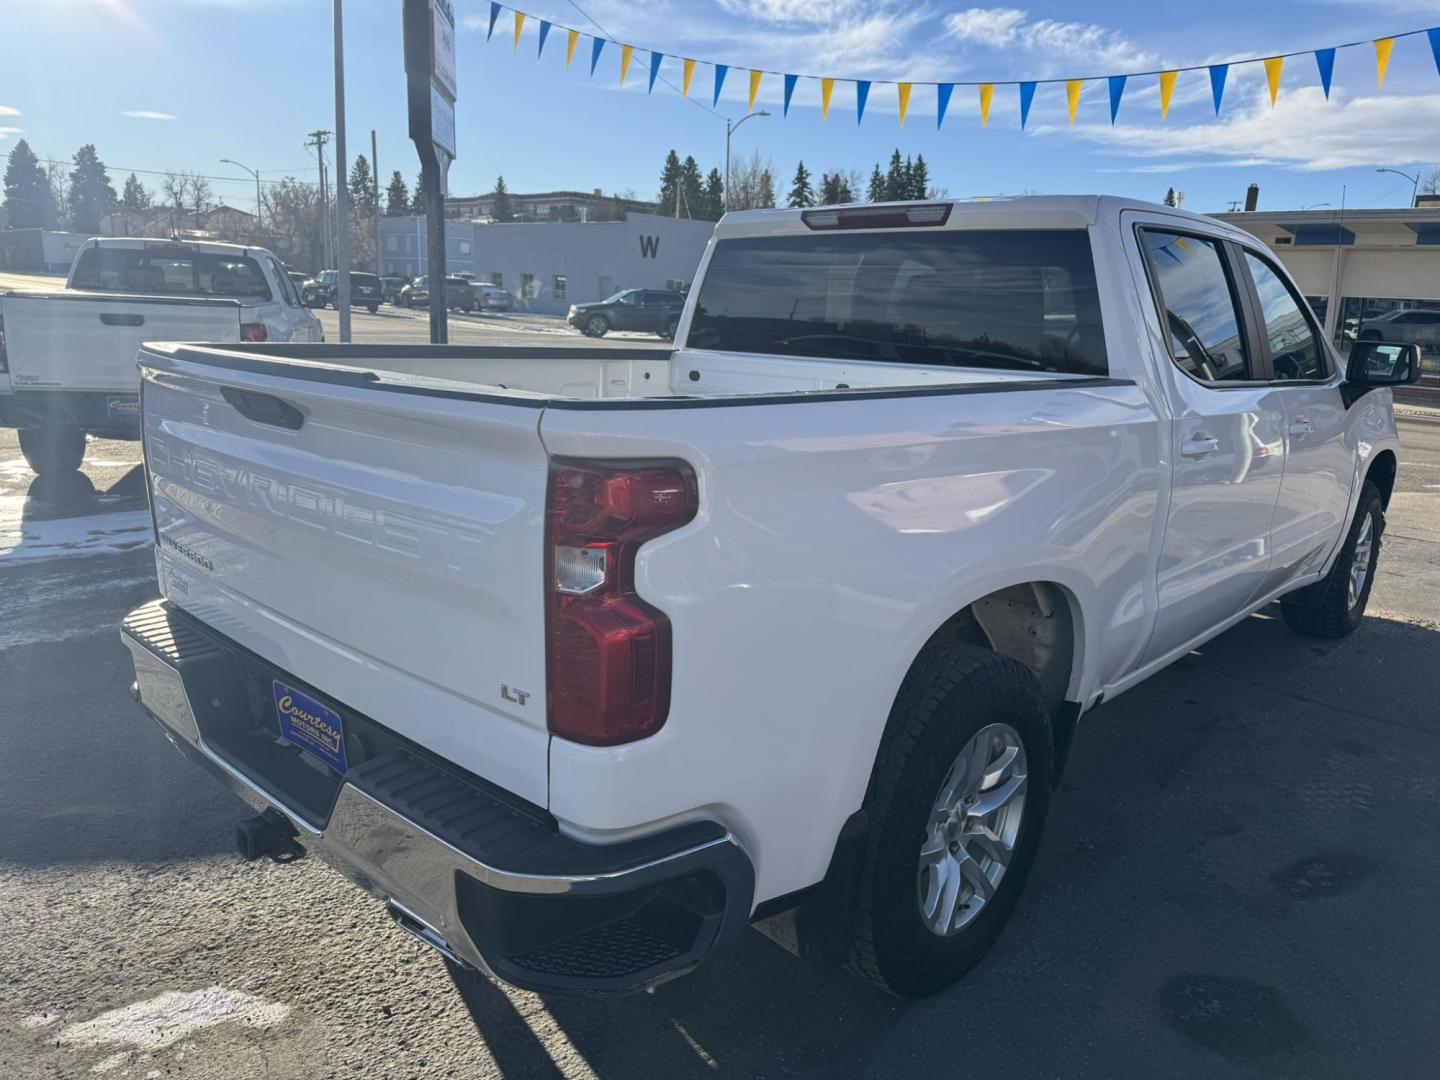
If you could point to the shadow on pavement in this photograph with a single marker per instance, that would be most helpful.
(1237, 880)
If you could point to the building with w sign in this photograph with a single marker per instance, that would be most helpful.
(548, 266)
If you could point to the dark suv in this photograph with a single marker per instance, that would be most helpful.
(656, 311)
(365, 290)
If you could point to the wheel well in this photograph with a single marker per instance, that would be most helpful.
(1382, 475)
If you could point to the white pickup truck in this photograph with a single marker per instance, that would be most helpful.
(67, 357)
(584, 661)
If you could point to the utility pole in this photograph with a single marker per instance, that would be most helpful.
(375, 205)
(342, 189)
(317, 141)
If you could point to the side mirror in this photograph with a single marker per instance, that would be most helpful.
(1374, 364)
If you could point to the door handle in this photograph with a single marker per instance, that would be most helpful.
(110, 318)
(1198, 446)
(1301, 426)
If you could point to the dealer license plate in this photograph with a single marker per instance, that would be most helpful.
(310, 725)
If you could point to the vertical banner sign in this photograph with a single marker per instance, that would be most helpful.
(431, 88)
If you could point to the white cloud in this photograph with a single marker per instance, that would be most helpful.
(995, 27)
(1049, 39)
(146, 114)
(788, 12)
(6, 132)
(1303, 132)
(7, 110)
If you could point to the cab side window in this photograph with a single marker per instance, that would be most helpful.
(1294, 350)
(1199, 306)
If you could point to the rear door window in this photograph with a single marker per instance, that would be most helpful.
(170, 270)
(1294, 346)
(1200, 305)
(1011, 299)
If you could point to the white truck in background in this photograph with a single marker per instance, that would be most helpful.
(584, 660)
(67, 357)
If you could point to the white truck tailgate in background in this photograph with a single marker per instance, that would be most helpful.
(86, 341)
(389, 552)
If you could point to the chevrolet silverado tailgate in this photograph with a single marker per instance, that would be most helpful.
(88, 341)
(385, 547)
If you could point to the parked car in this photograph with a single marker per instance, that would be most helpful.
(493, 297)
(390, 289)
(365, 290)
(1419, 326)
(297, 279)
(67, 357)
(589, 664)
(458, 294)
(655, 311)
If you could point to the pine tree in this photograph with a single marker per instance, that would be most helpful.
(919, 178)
(714, 196)
(1170, 197)
(843, 191)
(692, 194)
(28, 201)
(417, 194)
(397, 195)
(895, 183)
(91, 194)
(765, 200)
(670, 185)
(500, 209)
(362, 186)
(134, 197)
(830, 189)
(877, 186)
(801, 194)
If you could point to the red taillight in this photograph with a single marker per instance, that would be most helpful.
(252, 331)
(4, 360)
(608, 651)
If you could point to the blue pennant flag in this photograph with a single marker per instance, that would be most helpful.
(862, 94)
(942, 100)
(1217, 83)
(655, 58)
(1117, 88)
(790, 81)
(595, 51)
(1325, 61)
(721, 70)
(494, 14)
(1027, 95)
(544, 33)
(1435, 46)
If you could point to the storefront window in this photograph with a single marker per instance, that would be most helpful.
(1384, 318)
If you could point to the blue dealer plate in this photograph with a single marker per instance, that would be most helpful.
(310, 725)
(123, 406)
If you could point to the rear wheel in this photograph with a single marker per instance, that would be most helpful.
(956, 806)
(667, 331)
(597, 326)
(372, 308)
(1334, 606)
(53, 450)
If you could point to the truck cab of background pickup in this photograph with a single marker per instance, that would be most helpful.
(584, 659)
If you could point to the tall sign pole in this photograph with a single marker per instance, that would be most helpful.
(342, 187)
(431, 88)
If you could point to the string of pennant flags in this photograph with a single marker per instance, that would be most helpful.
(944, 91)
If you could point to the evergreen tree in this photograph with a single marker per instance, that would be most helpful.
(91, 194)
(500, 209)
(362, 186)
(670, 185)
(397, 195)
(134, 197)
(919, 178)
(877, 186)
(1170, 197)
(692, 190)
(830, 189)
(766, 199)
(28, 202)
(895, 183)
(801, 193)
(714, 196)
(843, 192)
(417, 194)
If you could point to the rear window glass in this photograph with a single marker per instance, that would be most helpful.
(1011, 299)
(166, 271)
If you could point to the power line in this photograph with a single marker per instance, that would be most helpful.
(176, 172)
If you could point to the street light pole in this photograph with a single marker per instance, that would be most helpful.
(342, 189)
(256, 174)
(730, 130)
(1414, 181)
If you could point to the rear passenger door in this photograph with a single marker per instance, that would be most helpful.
(1227, 440)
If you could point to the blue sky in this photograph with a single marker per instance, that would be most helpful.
(179, 84)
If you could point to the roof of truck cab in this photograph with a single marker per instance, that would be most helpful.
(998, 212)
(205, 247)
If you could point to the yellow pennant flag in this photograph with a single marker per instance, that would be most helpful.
(1072, 94)
(827, 87)
(689, 74)
(519, 25)
(1382, 56)
(1167, 87)
(754, 87)
(626, 52)
(987, 95)
(904, 89)
(1272, 76)
(570, 46)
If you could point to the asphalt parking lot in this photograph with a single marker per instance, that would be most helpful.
(1238, 878)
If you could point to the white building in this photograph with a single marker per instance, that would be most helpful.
(549, 266)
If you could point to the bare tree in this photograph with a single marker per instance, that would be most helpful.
(292, 218)
(1430, 183)
(201, 196)
(748, 183)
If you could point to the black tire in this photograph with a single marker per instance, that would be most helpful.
(667, 332)
(952, 692)
(1324, 610)
(53, 450)
(372, 308)
(596, 326)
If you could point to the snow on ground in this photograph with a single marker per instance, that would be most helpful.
(25, 539)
